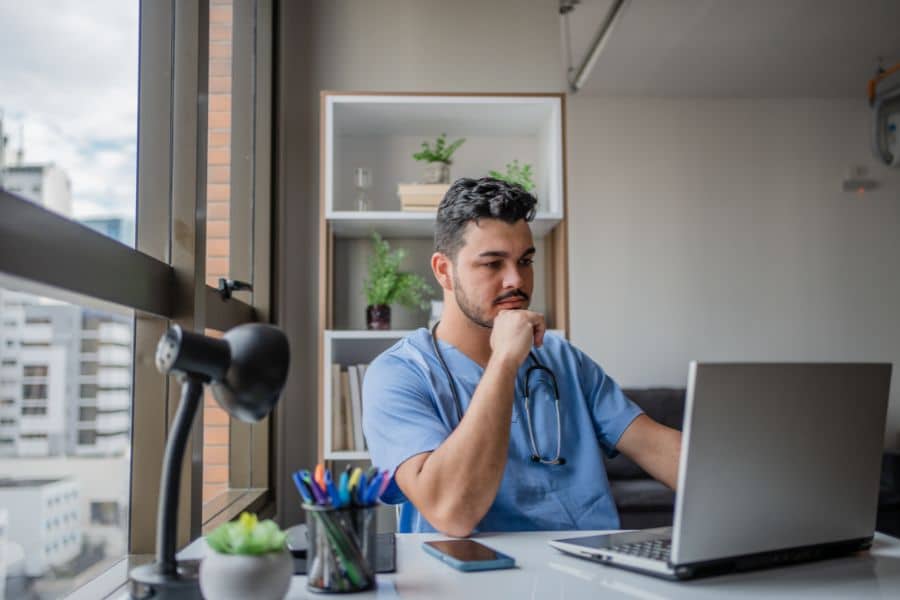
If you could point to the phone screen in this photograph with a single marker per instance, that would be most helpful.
(465, 550)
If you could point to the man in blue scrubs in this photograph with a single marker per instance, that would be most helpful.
(466, 451)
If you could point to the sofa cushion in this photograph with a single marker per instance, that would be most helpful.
(664, 405)
(642, 495)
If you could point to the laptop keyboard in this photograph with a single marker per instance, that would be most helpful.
(652, 549)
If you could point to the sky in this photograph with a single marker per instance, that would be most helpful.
(69, 81)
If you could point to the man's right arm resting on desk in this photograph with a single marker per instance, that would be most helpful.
(454, 486)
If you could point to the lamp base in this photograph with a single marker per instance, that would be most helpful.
(147, 582)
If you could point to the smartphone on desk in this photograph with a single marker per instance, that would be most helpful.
(468, 555)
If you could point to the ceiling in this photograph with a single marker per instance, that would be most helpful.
(738, 48)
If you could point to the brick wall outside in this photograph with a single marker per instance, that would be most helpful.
(215, 420)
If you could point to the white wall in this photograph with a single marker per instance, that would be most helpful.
(717, 230)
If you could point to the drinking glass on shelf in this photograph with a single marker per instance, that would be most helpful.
(362, 178)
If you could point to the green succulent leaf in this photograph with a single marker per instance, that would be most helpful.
(247, 535)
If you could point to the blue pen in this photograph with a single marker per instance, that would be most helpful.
(359, 496)
(317, 492)
(301, 487)
(331, 490)
(343, 487)
(372, 491)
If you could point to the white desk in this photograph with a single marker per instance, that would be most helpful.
(543, 572)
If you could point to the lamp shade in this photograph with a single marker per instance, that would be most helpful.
(246, 369)
(256, 375)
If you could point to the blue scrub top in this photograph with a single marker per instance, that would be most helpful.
(408, 408)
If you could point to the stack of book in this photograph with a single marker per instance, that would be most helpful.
(346, 403)
(421, 197)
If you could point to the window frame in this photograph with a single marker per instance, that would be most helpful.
(162, 279)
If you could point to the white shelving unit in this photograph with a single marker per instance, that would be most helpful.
(382, 132)
(349, 348)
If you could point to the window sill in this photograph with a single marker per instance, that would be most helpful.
(229, 504)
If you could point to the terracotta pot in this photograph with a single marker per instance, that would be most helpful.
(378, 316)
(238, 577)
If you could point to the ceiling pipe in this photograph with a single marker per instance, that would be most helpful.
(613, 16)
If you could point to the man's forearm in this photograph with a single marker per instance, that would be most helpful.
(464, 473)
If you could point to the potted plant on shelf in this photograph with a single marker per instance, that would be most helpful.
(388, 285)
(438, 158)
(516, 174)
(248, 559)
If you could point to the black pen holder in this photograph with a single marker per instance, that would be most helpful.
(340, 556)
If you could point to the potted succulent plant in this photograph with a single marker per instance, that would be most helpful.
(387, 285)
(439, 159)
(516, 174)
(248, 559)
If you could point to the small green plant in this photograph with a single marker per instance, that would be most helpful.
(247, 535)
(387, 284)
(441, 151)
(516, 174)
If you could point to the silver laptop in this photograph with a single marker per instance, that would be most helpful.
(780, 463)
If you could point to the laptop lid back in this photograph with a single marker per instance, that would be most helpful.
(778, 456)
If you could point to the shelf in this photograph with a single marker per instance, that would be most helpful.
(347, 455)
(357, 225)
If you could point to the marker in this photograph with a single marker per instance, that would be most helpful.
(331, 490)
(354, 481)
(319, 475)
(360, 495)
(371, 472)
(385, 482)
(371, 494)
(301, 488)
(317, 492)
(343, 487)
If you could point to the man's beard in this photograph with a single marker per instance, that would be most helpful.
(472, 311)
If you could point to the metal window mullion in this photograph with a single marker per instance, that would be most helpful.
(153, 225)
(188, 233)
(241, 202)
(264, 42)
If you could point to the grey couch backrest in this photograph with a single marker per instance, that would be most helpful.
(664, 405)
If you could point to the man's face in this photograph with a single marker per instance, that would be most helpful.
(493, 271)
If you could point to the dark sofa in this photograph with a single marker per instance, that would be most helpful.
(642, 501)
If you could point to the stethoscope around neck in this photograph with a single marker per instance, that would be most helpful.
(537, 366)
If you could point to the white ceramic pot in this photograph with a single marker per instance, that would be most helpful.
(239, 577)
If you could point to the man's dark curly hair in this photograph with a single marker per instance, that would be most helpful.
(475, 199)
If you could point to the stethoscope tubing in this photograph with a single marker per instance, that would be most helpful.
(535, 456)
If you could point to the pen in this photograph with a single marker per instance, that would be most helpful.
(331, 490)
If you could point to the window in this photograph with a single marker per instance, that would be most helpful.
(34, 410)
(35, 371)
(88, 166)
(34, 391)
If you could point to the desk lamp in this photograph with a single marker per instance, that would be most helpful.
(246, 371)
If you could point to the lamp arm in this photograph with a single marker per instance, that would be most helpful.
(170, 483)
